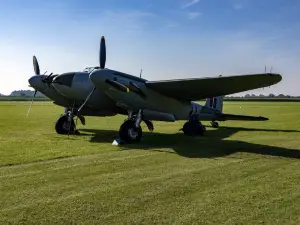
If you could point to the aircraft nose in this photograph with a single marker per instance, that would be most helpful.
(36, 82)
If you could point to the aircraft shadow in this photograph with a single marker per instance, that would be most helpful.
(213, 144)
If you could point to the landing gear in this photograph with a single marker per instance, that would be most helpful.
(214, 124)
(64, 125)
(193, 128)
(131, 131)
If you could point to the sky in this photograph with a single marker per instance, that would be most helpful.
(168, 39)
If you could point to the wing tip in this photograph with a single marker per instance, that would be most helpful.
(277, 77)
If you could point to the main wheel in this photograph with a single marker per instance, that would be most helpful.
(62, 125)
(192, 128)
(129, 133)
(214, 124)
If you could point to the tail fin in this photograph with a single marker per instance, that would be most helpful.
(215, 103)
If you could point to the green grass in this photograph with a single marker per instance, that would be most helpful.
(241, 173)
(256, 99)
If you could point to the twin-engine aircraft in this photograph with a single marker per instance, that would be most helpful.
(99, 91)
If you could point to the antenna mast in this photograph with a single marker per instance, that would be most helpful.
(141, 73)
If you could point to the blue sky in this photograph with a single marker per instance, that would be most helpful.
(169, 39)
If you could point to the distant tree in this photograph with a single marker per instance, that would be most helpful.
(271, 95)
(25, 93)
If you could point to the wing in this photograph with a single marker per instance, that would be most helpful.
(200, 88)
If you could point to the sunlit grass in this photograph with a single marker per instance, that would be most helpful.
(241, 173)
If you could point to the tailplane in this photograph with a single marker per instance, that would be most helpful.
(215, 103)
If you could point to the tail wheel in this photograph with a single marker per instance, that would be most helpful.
(214, 124)
(129, 133)
(62, 125)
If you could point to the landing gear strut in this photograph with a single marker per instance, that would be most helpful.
(131, 131)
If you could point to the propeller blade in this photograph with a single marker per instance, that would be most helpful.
(36, 66)
(117, 85)
(31, 102)
(88, 97)
(102, 54)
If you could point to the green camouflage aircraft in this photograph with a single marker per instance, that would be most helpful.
(99, 91)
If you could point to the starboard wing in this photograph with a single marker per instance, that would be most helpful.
(200, 88)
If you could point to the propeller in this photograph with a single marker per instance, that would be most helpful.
(48, 79)
(31, 102)
(121, 87)
(36, 66)
(102, 53)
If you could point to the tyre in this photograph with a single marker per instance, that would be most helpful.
(214, 124)
(62, 125)
(129, 133)
(188, 129)
(193, 128)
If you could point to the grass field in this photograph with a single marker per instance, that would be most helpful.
(241, 173)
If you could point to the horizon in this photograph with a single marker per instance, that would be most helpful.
(167, 39)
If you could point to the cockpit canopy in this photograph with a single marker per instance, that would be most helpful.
(90, 69)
